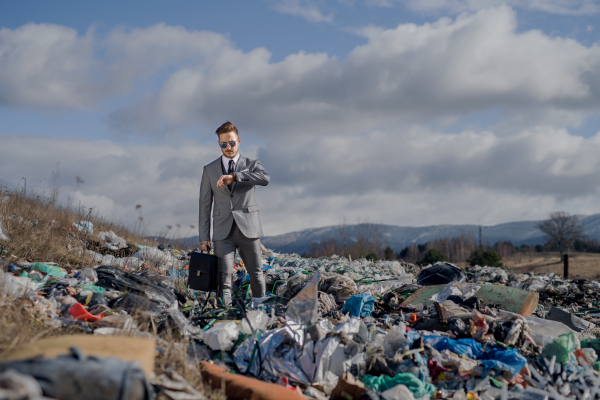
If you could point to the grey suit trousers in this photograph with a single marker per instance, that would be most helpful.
(250, 251)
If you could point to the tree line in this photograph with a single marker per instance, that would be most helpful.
(562, 231)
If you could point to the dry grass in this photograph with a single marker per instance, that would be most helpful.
(581, 265)
(39, 231)
(21, 323)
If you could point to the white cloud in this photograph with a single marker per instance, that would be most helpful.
(441, 70)
(560, 7)
(47, 66)
(307, 9)
(446, 69)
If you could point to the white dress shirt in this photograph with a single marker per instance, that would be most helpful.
(225, 161)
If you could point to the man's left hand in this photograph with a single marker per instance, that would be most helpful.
(224, 180)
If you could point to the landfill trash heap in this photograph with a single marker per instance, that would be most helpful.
(335, 328)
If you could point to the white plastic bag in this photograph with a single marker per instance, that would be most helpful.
(15, 285)
(221, 336)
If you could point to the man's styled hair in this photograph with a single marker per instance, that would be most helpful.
(226, 128)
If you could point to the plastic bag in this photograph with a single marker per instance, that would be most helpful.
(360, 305)
(88, 273)
(467, 347)
(221, 336)
(339, 286)
(463, 291)
(114, 278)
(92, 287)
(52, 270)
(503, 360)
(302, 308)
(16, 286)
(383, 382)
(394, 340)
(114, 242)
(562, 347)
(590, 343)
(84, 226)
(544, 331)
(3, 235)
(440, 273)
(259, 320)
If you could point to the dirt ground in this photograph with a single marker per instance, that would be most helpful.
(581, 265)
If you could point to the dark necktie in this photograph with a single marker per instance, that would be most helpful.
(229, 172)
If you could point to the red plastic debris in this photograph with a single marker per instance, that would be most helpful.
(80, 314)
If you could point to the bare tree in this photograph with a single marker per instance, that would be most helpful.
(562, 230)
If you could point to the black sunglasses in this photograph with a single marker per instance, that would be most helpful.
(224, 144)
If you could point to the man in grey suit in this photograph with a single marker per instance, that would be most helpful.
(229, 181)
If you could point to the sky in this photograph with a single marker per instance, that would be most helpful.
(400, 112)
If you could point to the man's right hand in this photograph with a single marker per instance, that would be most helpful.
(205, 245)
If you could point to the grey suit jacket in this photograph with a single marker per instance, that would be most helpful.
(238, 203)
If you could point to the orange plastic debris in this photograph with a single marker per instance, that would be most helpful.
(80, 314)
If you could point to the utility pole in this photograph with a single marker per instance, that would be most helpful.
(480, 236)
(25, 179)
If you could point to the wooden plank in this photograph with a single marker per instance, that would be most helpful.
(511, 299)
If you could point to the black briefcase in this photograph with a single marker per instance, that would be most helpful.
(204, 272)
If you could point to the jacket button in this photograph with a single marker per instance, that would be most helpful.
(231, 196)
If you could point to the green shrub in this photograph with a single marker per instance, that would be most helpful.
(371, 257)
(485, 258)
(432, 256)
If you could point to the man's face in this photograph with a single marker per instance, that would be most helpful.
(229, 152)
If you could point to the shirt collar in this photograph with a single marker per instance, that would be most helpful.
(225, 160)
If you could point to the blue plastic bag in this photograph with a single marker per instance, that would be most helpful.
(503, 360)
(360, 305)
(495, 358)
(467, 347)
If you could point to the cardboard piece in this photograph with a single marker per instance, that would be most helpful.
(515, 300)
(124, 348)
(238, 387)
(345, 390)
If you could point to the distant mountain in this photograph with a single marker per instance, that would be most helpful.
(398, 237)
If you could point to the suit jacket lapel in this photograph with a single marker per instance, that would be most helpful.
(219, 171)
(238, 167)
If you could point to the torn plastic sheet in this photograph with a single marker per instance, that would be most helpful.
(342, 287)
(259, 320)
(440, 273)
(384, 286)
(221, 336)
(114, 278)
(278, 349)
(16, 286)
(184, 325)
(463, 291)
(316, 357)
(360, 305)
(3, 235)
(84, 226)
(496, 358)
(113, 241)
(302, 310)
